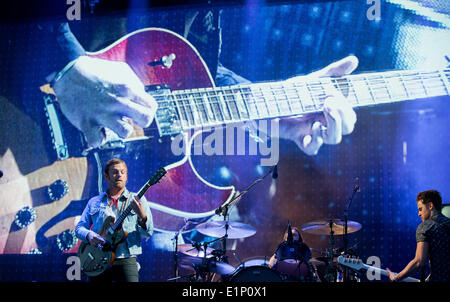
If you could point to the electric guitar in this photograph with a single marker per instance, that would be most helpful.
(357, 264)
(95, 260)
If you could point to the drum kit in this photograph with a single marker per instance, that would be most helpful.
(207, 264)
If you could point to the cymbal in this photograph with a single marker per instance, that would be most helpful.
(208, 264)
(217, 229)
(189, 250)
(324, 227)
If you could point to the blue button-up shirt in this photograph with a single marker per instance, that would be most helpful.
(93, 215)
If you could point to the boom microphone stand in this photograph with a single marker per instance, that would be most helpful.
(355, 189)
(175, 255)
(224, 208)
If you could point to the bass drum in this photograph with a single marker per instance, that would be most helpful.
(255, 261)
(255, 274)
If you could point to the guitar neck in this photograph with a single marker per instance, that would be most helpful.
(185, 110)
(118, 222)
(386, 274)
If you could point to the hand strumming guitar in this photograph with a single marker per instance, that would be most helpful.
(96, 93)
(95, 239)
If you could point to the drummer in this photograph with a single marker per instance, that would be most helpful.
(291, 259)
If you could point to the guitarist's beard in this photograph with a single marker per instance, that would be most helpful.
(116, 187)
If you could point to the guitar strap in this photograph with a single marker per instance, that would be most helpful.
(124, 204)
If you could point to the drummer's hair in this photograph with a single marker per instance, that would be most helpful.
(293, 229)
(432, 196)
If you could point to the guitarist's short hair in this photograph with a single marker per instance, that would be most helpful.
(112, 162)
(432, 196)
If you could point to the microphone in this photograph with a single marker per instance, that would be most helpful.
(357, 187)
(290, 237)
(196, 245)
(275, 172)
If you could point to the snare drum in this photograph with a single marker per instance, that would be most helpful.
(255, 274)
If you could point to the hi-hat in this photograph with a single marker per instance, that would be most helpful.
(189, 250)
(326, 227)
(218, 229)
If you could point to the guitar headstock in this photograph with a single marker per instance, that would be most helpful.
(157, 176)
(352, 262)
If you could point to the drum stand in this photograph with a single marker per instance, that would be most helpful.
(175, 254)
(355, 189)
(331, 271)
(223, 209)
(226, 217)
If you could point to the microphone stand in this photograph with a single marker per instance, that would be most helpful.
(355, 189)
(223, 209)
(226, 217)
(175, 255)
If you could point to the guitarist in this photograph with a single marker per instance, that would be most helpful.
(433, 240)
(139, 224)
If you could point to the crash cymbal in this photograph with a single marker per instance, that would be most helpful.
(217, 229)
(324, 227)
(209, 265)
(189, 250)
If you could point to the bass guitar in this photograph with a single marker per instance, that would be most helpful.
(357, 264)
(95, 260)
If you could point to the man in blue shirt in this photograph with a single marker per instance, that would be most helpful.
(139, 224)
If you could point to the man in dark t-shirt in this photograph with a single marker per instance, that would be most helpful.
(433, 240)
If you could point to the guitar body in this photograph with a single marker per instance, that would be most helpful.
(141, 47)
(182, 193)
(95, 260)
